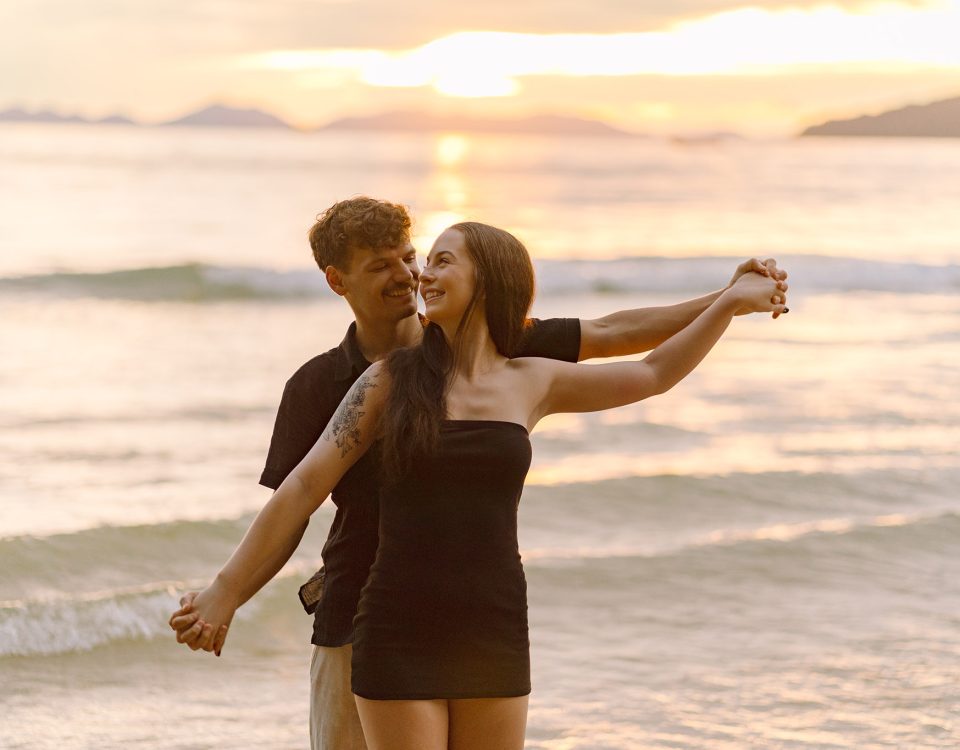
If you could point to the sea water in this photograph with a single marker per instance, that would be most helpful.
(764, 557)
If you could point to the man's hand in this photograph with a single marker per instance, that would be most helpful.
(769, 268)
(184, 619)
(190, 629)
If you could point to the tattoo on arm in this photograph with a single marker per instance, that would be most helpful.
(344, 427)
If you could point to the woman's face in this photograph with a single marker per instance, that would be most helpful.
(448, 279)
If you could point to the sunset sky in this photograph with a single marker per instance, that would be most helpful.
(680, 66)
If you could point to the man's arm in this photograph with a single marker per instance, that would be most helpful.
(645, 328)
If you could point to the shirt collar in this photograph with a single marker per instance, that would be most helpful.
(350, 360)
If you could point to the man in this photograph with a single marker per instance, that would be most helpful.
(363, 247)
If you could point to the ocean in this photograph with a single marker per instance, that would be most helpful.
(764, 557)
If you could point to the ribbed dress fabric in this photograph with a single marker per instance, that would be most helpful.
(444, 611)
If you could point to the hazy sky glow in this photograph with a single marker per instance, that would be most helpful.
(771, 67)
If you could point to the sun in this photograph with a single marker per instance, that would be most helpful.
(471, 84)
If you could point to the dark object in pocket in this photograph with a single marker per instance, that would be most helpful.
(312, 592)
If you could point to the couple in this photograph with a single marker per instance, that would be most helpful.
(425, 453)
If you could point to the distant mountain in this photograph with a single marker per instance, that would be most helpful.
(706, 139)
(218, 115)
(936, 120)
(425, 123)
(117, 120)
(19, 115)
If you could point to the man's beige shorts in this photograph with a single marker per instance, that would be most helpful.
(334, 722)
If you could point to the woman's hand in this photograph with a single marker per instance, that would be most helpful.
(211, 612)
(756, 292)
(184, 621)
(766, 267)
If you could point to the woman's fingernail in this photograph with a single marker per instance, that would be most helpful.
(786, 309)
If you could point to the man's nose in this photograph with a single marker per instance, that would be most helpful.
(402, 273)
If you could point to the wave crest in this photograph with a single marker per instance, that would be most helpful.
(198, 282)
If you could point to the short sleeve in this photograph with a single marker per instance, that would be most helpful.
(554, 338)
(300, 420)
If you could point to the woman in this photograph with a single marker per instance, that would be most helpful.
(441, 653)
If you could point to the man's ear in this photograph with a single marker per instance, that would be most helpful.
(335, 281)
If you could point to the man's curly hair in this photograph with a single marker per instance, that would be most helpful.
(355, 223)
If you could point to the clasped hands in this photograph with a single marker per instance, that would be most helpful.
(764, 285)
(204, 618)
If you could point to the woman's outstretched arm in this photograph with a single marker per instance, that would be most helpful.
(642, 329)
(345, 439)
(575, 388)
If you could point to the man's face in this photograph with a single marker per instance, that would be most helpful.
(381, 285)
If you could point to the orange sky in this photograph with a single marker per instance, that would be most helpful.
(683, 66)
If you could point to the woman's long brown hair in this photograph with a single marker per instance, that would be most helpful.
(417, 404)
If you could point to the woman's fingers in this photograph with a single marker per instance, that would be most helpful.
(779, 302)
(200, 634)
(205, 641)
(219, 640)
(780, 297)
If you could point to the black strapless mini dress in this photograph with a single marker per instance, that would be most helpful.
(444, 611)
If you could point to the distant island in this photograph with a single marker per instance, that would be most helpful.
(20, 115)
(939, 119)
(222, 116)
(706, 139)
(416, 122)
(216, 115)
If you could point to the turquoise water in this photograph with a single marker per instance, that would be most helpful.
(763, 557)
